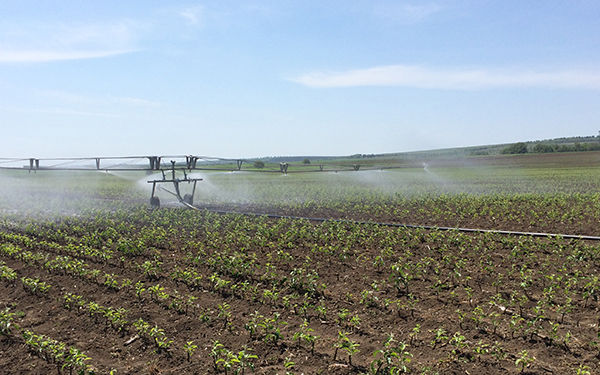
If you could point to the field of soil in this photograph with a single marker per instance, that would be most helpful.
(119, 287)
(454, 303)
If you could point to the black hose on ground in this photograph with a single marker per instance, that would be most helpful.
(411, 226)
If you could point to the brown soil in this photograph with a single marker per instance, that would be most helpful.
(347, 275)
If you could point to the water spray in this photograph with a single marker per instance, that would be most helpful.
(187, 199)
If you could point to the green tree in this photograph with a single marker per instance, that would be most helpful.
(543, 148)
(517, 148)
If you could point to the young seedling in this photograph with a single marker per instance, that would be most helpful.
(304, 334)
(189, 348)
(216, 352)
(288, 364)
(224, 314)
(151, 269)
(252, 325)
(441, 336)
(344, 343)
(481, 349)
(139, 290)
(6, 322)
(583, 370)
(245, 360)
(414, 334)
(393, 358)
(524, 360)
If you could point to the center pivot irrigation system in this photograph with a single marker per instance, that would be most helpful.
(176, 172)
(187, 200)
(184, 165)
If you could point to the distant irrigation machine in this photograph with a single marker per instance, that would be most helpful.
(187, 200)
(184, 165)
(177, 173)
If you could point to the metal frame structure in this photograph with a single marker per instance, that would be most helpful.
(187, 199)
(190, 162)
(180, 164)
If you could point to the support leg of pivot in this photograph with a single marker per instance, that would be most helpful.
(34, 164)
(283, 167)
(189, 198)
(191, 161)
(154, 201)
(154, 162)
(177, 191)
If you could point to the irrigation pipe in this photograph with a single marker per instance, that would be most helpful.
(395, 225)
(408, 226)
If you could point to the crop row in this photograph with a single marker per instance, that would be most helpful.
(47, 348)
(333, 288)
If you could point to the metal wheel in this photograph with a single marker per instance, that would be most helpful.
(155, 202)
(188, 198)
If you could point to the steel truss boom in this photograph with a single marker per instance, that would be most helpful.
(155, 163)
(179, 164)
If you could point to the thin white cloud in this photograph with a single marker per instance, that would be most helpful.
(71, 98)
(35, 43)
(61, 111)
(192, 15)
(74, 112)
(34, 56)
(452, 79)
(127, 100)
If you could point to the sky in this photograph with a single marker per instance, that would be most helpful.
(269, 78)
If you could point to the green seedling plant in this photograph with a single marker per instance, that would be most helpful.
(288, 364)
(441, 337)
(253, 325)
(151, 269)
(245, 360)
(139, 290)
(7, 325)
(35, 286)
(414, 334)
(459, 344)
(583, 370)
(304, 334)
(393, 358)
(189, 348)
(217, 351)
(54, 351)
(225, 314)
(7, 273)
(346, 344)
(272, 329)
(524, 360)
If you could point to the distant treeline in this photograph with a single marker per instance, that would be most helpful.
(523, 148)
(564, 144)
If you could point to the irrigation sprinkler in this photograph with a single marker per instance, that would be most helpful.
(187, 199)
(180, 165)
(188, 163)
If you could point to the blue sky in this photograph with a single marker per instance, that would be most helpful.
(259, 78)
